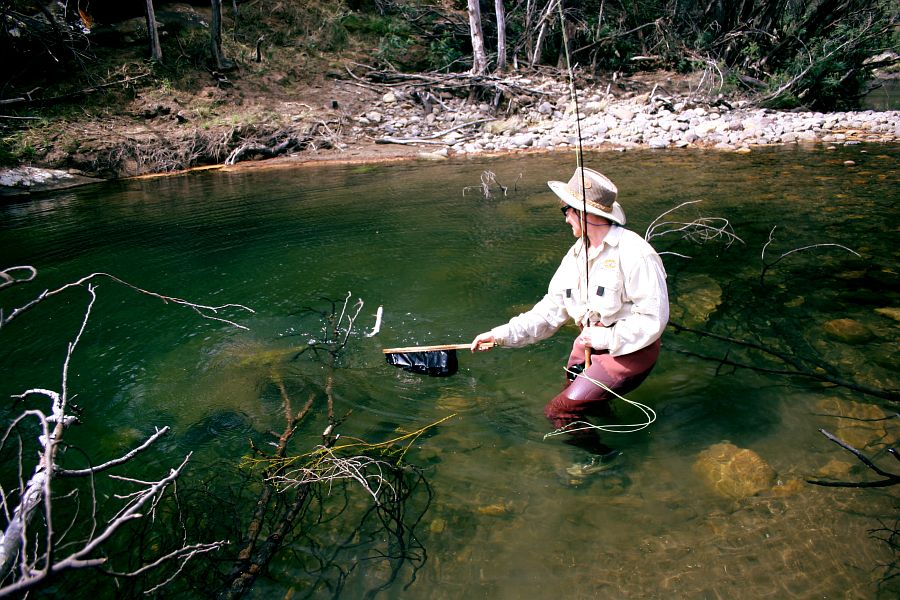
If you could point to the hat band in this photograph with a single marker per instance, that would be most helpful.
(580, 197)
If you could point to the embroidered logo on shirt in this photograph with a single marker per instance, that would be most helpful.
(610, 263)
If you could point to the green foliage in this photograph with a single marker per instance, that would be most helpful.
(813, 49)
(392, 48)
(444, 51)
(830, 71)
(430, 46)
(16, 149)
(374, 25)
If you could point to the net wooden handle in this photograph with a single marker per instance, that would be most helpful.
(434, 348)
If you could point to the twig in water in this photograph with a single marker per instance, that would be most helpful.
(487, 179)
(766, 266)
(201, 309)
(377, 326)
(698, 231)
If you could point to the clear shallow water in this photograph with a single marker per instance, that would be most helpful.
(503, 520)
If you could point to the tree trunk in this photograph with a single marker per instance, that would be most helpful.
(215, 35)
(565, 45)
(527, 34)
(501, 34)
(479, 58)
(153, 33)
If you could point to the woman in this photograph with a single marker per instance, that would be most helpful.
(621, 306)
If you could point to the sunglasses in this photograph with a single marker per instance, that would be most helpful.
(565, 210)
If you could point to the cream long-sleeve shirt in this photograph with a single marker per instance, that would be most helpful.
(626, 302)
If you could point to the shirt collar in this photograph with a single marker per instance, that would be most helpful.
(612, 239)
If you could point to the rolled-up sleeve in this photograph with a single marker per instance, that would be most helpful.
(539, 323)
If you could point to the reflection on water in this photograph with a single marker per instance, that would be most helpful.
(505, 521)
(884, 96)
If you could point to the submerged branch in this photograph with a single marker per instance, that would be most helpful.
(889, 478)
(799, 369)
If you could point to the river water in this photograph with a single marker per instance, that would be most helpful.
(496, 515)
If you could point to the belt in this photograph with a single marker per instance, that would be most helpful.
(600, 325)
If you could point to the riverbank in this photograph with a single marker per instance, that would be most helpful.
(654, 119)
(351, 120)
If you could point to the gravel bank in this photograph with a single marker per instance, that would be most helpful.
(648, 120)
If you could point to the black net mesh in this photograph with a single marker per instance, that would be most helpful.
(436, 363)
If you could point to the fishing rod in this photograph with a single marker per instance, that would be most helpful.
(579, 166)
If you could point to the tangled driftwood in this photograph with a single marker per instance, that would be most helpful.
(513, 88)
(318, 135)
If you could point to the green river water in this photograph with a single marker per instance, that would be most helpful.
(496, 516)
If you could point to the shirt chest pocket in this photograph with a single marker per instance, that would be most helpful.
(573, 301)
(606, 294)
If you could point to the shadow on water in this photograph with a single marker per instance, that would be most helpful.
(505, 520)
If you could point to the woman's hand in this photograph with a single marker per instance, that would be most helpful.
(483, 342)
(597, 338)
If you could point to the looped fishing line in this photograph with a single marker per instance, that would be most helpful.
(649, 414)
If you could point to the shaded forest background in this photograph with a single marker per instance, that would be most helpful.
(89, 56)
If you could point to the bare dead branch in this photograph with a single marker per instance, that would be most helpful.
(431, 139)
(699, 231)
(766, 266)
(30, 556)
(182, 555)
(7, 276)
(115, 462)
(889, 478)
(201, 309)
(488, 178)
(71, 96)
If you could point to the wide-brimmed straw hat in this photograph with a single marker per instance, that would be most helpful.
(600, 197)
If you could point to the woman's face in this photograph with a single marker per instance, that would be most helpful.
(573, 218)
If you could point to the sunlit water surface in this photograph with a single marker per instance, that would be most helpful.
(504, 519)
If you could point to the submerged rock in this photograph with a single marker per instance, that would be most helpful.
(455, 403)
(498, 509)
(697, 297)
(860, 425)
(848, 331)
(223, 423)
(734, 472)
(835, 469)
(892, 312)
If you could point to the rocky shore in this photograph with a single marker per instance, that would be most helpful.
(398, 122)
(609, 120)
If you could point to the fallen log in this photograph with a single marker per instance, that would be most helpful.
(431, 139)
(28, 99)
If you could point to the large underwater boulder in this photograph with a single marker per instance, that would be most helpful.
(733, 472)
